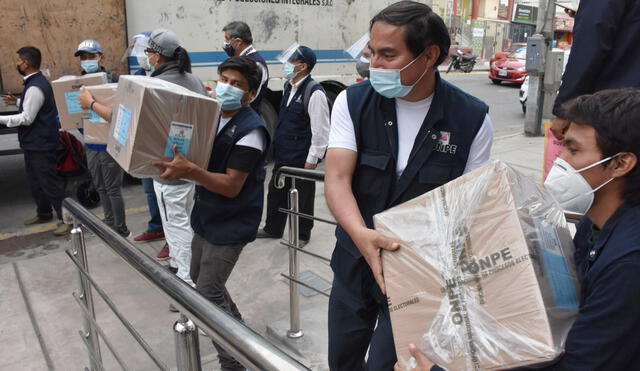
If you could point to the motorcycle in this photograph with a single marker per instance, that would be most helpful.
(462, 62)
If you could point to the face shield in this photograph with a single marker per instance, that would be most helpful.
(139, 43)
(361, 53)
(285, 56)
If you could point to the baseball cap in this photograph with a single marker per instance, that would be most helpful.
(89, 46)
(305, 54)
(164, 42)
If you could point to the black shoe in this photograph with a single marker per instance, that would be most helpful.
(172, 269)
(302, 243)
(173, 309)
(263, 234)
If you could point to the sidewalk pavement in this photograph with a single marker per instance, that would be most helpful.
(41, 320)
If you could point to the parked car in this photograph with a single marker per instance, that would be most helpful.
(503, 54)
(510, 69)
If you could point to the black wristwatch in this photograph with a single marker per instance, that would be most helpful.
(91, 105)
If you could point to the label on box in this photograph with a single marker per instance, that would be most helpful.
(564, 292)
(94, 117)
(72, 102)
(121, 132)
(180, 135)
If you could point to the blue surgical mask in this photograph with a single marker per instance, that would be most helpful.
(229, 96)
(144, 62)
(388, 82)
(289, 70)
(89, 66)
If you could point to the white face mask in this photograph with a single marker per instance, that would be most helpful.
(570, 188)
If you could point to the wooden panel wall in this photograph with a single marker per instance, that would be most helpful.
(56, 27)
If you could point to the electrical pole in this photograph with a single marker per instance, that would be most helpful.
(542, 64)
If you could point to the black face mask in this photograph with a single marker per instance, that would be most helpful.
(363, 69)
(229, 49)
(20, 71)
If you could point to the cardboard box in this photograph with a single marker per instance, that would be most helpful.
(151, 115)
(96, 129)
(66, 90)
(484, 278)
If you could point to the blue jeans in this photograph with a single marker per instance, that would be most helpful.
(155, 223)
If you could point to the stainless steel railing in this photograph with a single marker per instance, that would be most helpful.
(295, 331)
(245, 345)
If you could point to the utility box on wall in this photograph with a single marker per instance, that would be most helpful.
(536, 49)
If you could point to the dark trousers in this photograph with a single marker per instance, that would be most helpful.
(211, 266)
(107, 176)
(46, 184)
(155, 223)
(279, 198)
(355, 304)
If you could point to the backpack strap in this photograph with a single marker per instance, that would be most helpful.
(306, 96)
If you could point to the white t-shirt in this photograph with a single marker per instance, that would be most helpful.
(255, 139)
(410, 117)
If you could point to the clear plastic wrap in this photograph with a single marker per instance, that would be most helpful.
(485, 277)
(96, 129)
(150, 115)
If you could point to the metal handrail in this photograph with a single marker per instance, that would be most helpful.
(244, 344)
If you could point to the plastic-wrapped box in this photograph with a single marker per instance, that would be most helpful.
(150, 115)
(484, 278)
(96, 129)
(66, 91)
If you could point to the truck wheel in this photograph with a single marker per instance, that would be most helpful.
(270, 117)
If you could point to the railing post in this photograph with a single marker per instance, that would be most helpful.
(187, 345)
(294, 239)
(90, 333)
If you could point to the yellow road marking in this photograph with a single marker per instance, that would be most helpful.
(51, 226)
(508, 136)
(464, 73)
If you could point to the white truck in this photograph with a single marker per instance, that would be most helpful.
(326, 26)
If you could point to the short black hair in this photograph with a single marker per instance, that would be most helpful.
(247, 67)
(615, 116)
(31, 55)
(239, 30)
(423, 27)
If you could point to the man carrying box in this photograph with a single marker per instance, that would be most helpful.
(230, 194)
(106, 174)
(38, 136)
(400, 134)
(598, 174)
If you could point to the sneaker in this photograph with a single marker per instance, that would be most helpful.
(264, 234)
(62, 229)
(37, 220)
(149, 236)
(126, 233)
(164, 253)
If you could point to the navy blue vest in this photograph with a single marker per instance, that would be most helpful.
(439, 152)
(42, 134)
(293, 134)
(256, 102)
(226, 221)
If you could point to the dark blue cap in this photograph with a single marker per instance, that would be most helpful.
(89, 46)
(305, 54)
